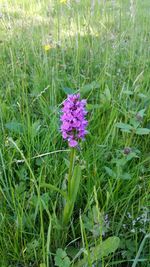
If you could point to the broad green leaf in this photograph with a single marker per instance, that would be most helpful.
(110, 245)
(75, 182)
(126, 176)
(142, 131)
(135, 123)
(61, 258)
(124, 127)
(67, 212)
(121, 162)
(14, 126)
(131, 156)
(89, 87)
(109, 172)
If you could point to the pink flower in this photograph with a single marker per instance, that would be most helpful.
(73, 120)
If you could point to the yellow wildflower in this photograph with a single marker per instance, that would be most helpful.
(63, 1)
(47, 47)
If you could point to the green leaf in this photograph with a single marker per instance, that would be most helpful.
(141, 112)
(54, 188)
(32, 246)
(110, 245)
(75, 182)
(109, 172)
(68, 91)
(72, 251)
(61, 258)
(126, 176)
(93, 106)
(89, 87)
(107, 94)
(95, 222)
(142, 131)
(135, 123)
(35, 128)
(124, 127)
(120, 162)
(14, 126)
(128, 92)
(142, 95)
(131, 156)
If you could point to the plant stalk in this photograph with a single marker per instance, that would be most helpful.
(71, 166)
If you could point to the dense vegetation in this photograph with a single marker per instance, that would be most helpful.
(50, 49)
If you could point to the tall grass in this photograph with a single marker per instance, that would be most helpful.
(100, 48)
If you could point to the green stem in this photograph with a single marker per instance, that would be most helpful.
(72, 157)
(69, 205)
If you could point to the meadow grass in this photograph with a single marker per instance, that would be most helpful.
(100, 49)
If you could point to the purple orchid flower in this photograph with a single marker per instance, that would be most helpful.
(73, 119)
